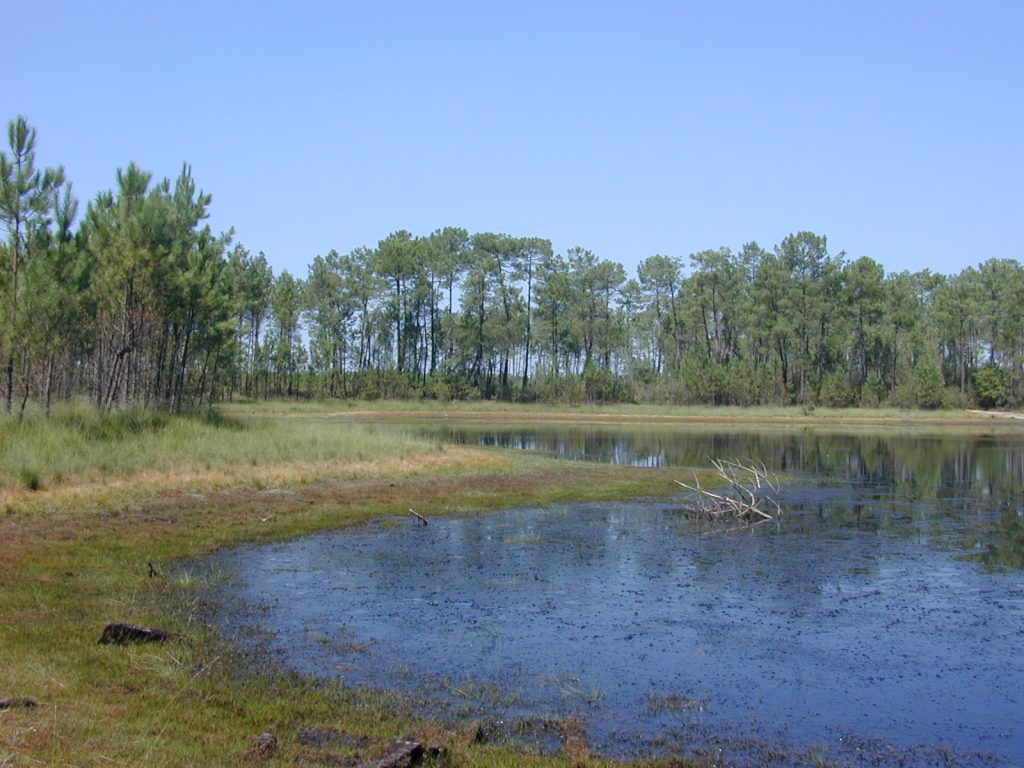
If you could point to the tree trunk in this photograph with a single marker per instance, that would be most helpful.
(9, 396)
(49, 382)
(26, 386)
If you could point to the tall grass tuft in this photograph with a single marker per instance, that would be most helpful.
(30, 478)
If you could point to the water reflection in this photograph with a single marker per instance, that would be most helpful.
(925, 464)
(1005, 540)
(899, 465)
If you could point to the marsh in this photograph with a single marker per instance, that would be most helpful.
(882, 615)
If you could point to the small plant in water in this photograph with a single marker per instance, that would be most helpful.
(572, 690)
(482, 693)
(673, 702)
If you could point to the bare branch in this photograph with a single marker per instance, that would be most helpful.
(418, 516)
(748, 486)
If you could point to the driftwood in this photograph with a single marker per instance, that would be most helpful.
(418, 516)
(750, 493)
(19, 702)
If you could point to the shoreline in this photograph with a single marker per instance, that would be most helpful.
(82, 553)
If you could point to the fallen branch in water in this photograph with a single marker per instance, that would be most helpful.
(418, 516)
(749, 495)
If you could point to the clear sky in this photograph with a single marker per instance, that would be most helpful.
(895, 128)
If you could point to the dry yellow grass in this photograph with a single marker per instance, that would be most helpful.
(148, 482)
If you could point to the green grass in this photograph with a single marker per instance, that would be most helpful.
(78, 444)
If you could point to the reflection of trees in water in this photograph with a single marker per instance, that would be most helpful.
(1005, 542)
(923, 466)
(974, 480)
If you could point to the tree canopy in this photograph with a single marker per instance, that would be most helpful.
(139, 303)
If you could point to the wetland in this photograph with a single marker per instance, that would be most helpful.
(879, 621)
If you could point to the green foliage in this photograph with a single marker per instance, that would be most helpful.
(953, 398)
(30, 292)
(927, 388)
(436, 388)
(874, 391)
(837, 392)
(142, 306)
(601, 386)
(562, 390)
(990, 387)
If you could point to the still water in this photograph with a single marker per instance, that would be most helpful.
(880, 622)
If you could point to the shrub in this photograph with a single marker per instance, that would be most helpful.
(836, 391)
(873, 392)
(990, 387)
(927, 386)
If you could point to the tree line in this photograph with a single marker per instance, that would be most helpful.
(138, 303)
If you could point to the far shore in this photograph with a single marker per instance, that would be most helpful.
(732, 416)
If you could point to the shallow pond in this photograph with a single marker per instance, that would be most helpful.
(880, 622)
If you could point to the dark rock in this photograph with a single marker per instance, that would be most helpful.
(117, 633)
(315, 757)
(263, 745)
(324, 737)
(399, 754)
(17, 703)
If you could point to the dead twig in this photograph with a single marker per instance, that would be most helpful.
(419, 517)
(749, 493)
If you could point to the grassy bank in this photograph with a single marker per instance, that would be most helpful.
(119, 494)
(776, 416)
(76, 446)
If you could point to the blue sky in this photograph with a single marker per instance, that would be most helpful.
(894, 128)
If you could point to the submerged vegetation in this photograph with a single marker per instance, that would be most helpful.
(137, 303)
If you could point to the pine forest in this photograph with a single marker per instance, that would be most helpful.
(132, 301)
